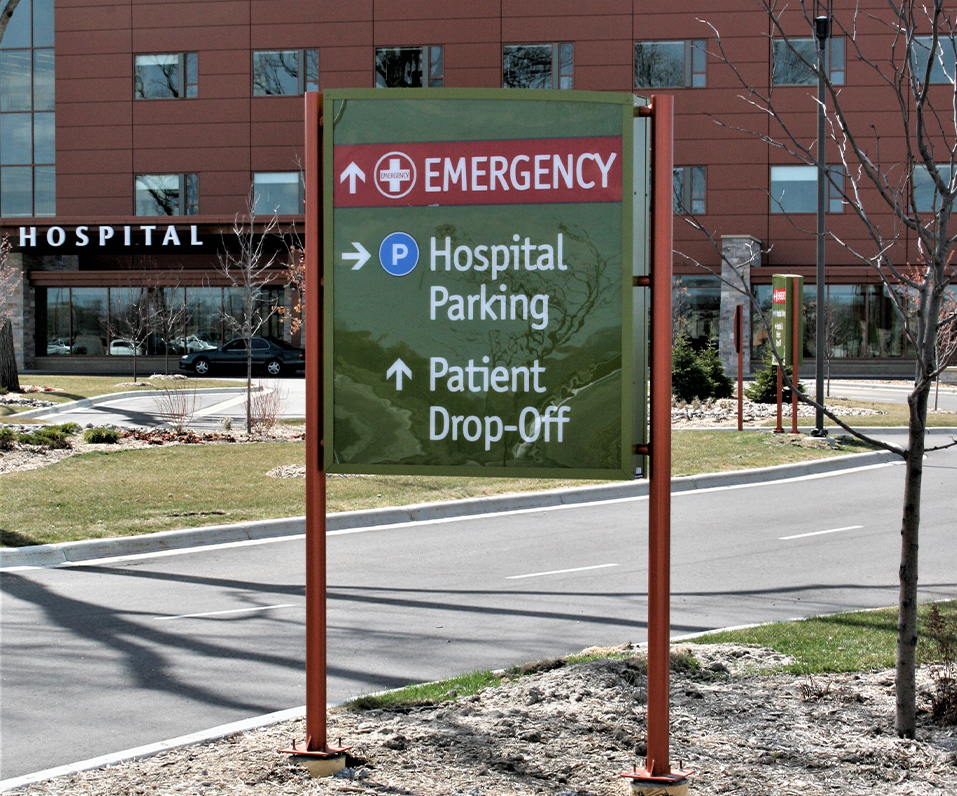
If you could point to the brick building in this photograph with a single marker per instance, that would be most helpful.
(132, 133)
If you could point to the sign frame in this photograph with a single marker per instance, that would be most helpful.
(782, 325)
(634, 263)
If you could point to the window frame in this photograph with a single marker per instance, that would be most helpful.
(432, 60)
(187, 75)
(835, 199)
(694, 65)
(924, 42)
(187, 198)
(690, 202)
(301, 192)
(303, 82)
(561, 79)
(833, 45)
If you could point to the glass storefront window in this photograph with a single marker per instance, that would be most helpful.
(885, 325)
(847, 326)
(204, 328)
(90, 320)
(168, 308)
(130, 319)
(58, 321)
(697, 308)
(264, 312)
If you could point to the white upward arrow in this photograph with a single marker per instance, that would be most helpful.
(352, 171)
(398, 369)
(360, 255)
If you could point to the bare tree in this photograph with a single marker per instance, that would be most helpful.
(170, 315)
(8, 8)
(132, 318)
(250, 266)
(900, 176)
(9, 283)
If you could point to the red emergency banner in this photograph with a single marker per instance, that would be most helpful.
(535, 171)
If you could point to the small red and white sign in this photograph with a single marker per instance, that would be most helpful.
(780, 296)
(536, 171)
(395, 175)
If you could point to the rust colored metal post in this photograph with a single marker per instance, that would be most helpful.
(795, 342)
(739, 348)
(315, 467)
(659, 490)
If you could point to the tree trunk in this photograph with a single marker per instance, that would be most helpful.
(9, 377)
(906, 675)
(249, 387)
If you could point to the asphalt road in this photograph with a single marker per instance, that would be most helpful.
(114, 654)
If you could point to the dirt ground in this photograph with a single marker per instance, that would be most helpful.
(573, 730)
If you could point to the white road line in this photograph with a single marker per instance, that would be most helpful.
(559, 572)
(819, 533)
(223, 613)
(217, 408)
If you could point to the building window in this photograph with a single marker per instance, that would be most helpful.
(794, 189)
(166, 76)
(285, 72)
(696, 301)
(944, 59)
(926, 195)
(671, 64)
(538, 65)
(167, 194)
(278, 192)
(27, 112)
(794, 61)
(102, 321)
(689, 190)
(410, 67)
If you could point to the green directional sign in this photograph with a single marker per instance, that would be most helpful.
(480, 255)
(787, 301)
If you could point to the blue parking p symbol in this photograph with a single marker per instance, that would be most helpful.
(399, 253)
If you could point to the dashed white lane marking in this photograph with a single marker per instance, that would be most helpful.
(559, 572)
(224, 613)
(819, 533)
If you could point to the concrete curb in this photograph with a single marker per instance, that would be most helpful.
(107, 398)
(163, 541)
(149, 750)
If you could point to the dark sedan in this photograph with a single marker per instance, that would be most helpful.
(274, 356)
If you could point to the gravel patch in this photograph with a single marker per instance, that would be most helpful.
(573, 730)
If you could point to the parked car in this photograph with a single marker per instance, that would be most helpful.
(274, 356)
(58, 346)
(125, 348)
(193, 343)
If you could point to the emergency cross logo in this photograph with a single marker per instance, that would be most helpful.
(394, 175)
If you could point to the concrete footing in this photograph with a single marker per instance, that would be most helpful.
(647, 788)
(320, 767)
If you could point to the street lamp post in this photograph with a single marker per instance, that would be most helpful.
(822, 31)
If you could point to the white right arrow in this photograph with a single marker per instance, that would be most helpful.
(352, 172)
(398, 369)
(360, 255)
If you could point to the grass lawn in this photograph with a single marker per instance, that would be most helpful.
(73, 388)
(127, 492)
(700, 451)
(850, 642)
(893, 415)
